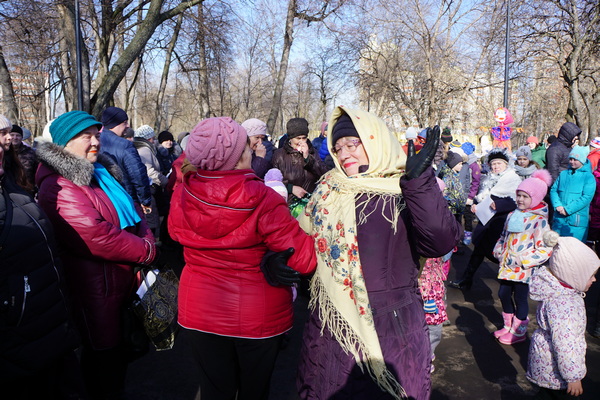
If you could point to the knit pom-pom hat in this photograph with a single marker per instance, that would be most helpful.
(524, 151)
(216, 144)
(572, 261)
(536, 186)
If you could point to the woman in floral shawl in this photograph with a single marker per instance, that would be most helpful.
(366, 337)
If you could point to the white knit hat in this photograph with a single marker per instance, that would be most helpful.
(572, 261)
(5, 122)
(145, 132)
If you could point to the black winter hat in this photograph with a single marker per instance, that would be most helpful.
(446, 135)
(343, 127)
(296, 127)
(497, 154)
(17, 129)
(164, 136)
(452, 159)
(113, 116)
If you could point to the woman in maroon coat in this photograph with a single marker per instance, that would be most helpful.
(366, 337)
(230, 225)
(101, 237)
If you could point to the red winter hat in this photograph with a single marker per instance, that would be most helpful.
(216, 144)
(536, 186)
(533, 139)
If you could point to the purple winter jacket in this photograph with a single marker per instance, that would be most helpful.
(390, 265)
(475, 176)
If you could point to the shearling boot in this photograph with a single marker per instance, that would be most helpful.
(517, 332)
(507, 324)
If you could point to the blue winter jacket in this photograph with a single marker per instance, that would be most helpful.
(573, 190)
(135, 177)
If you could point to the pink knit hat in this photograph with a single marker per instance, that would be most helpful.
(536, 186)
(572, 261)
(255, 126)
(216, 144)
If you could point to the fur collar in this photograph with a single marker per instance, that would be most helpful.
(78, 170)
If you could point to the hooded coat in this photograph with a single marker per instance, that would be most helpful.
(35, 331)
(97, 254)
(557, 349)
(557, 155)
(573, 190)
(227, 221)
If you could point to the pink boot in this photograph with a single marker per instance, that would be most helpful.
(507, 324)
(517, 332)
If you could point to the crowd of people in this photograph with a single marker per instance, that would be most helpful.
(84, 210)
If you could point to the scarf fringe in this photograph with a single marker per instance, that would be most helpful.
(350, 342)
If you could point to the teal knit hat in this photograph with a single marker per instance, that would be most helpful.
(68, 125)
(580, 153)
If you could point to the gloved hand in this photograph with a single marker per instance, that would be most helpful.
(417, 163)
(276, 270)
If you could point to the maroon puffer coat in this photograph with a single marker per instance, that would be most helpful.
(226, 221)
(98, 255)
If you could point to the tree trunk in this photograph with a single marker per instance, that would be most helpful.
(109, 84)
(9, 105)
(204, 92)
(158, 115)
(288, 38)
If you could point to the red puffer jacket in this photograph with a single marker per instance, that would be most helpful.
(226, 221)
(98, 255)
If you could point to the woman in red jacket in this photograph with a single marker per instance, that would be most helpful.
(101, 237)
(229, 223)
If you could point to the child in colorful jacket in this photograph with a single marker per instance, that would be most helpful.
(519, 250)
(556, 361)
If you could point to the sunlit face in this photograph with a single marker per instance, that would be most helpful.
(574, 163)
(350, 154)
(245, 161)
(457, 167)
(575, 141)
(498, 166)
(119, 129)
(5, 138)
(16, 138)
(297, 141)
(167, 144)
(255, 140)
(590, 281)
(523, 200)
(532, 145)
(523, 161)
(85, 144)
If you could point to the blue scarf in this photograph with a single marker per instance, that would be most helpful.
(516, 222)
(120, 199)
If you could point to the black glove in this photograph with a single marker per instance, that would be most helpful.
(276, 270)
(417, 163)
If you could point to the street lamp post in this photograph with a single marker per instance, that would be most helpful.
(506, 54)
(78, 51)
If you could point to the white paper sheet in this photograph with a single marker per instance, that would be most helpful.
(484, 212)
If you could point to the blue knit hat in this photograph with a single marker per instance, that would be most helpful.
(68, 125)
(113, 116)
(580, 153)
(468, 148)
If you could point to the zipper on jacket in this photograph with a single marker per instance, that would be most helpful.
(26, 289)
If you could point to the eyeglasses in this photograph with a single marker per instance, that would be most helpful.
(350, 146)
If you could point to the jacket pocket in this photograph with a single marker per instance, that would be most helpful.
(13, 301)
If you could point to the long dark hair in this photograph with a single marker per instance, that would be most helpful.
(13, 167)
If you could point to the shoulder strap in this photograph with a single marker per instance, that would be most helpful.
(8, 220)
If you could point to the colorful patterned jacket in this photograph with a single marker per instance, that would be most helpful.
(519, 252)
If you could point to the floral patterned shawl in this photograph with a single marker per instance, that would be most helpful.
(338, 286)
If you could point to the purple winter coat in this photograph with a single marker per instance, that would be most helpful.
(390, 266)
(475, 176)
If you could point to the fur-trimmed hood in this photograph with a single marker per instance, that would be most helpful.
(76, 169)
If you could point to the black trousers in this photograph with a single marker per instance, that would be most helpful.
(549, 394)
(230, 365)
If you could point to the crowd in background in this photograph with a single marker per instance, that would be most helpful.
(87, 206)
